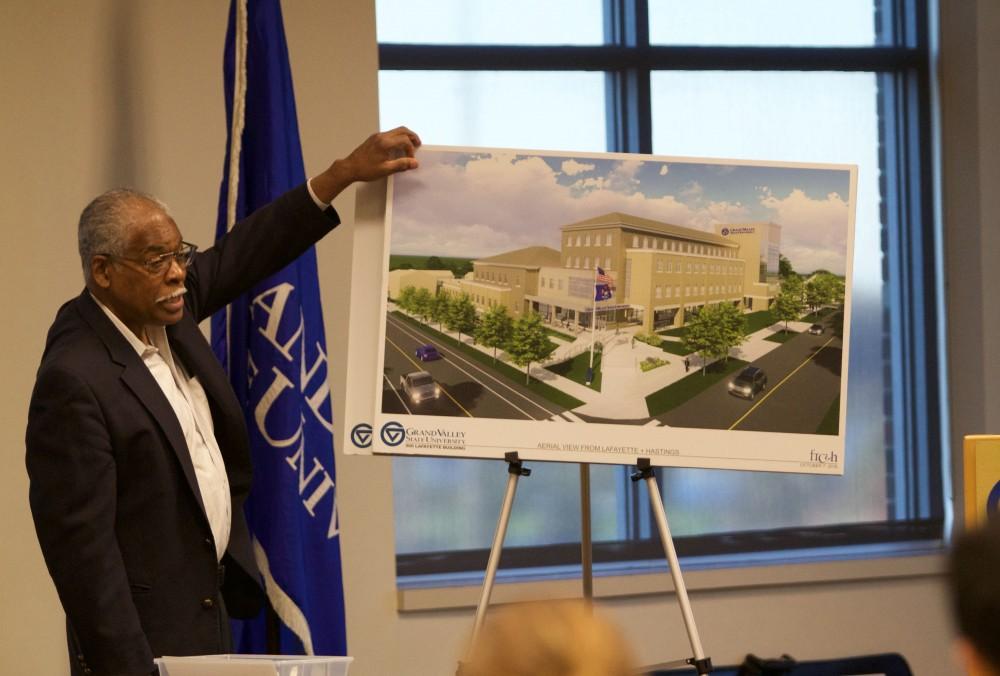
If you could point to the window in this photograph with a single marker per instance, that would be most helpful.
(843, 82)
(607, 263)
(607, 239)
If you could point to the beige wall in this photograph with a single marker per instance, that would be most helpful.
(108, 92)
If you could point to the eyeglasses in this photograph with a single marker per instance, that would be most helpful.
(159, 264)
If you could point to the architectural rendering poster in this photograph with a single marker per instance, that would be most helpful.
(606, 308)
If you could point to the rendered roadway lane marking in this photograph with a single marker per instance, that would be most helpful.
(780, 383)
(453, 360)
(420, 368)
(392, 388)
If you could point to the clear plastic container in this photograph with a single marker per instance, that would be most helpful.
(253, 665)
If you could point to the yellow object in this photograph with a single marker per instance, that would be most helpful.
(982, 477)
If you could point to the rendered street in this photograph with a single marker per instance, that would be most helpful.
(803, 381)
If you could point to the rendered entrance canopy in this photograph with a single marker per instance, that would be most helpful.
(501, 261)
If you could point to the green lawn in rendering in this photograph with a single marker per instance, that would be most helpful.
(576, 369)
(677, 393)
(758, 320)
(675, 347)
(782, 336)
(559, 334)
(755, 322)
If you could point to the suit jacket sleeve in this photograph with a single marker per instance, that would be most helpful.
(72, 467)
(256, 247)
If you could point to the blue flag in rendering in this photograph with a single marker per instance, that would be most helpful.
(602, 285)
(271, 341)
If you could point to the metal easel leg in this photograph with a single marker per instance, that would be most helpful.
(645, 471)
(586, 542)
(515, 471)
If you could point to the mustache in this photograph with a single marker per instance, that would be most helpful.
(170, 296)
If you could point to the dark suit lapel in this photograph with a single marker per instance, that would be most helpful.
(137, 378)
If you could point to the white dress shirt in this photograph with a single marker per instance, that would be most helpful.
(190, 404)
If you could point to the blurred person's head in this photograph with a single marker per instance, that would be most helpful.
(556, 638)
(974, 579)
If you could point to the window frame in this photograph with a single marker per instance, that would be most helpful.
(901, 61)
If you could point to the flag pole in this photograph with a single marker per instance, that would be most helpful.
(593, 330)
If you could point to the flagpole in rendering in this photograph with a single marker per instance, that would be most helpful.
(593, 331)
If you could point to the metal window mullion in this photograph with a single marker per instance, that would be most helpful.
(627, 95)
(611, 57)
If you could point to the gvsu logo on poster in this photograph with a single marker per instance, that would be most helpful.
(392, 433)
(361, 435)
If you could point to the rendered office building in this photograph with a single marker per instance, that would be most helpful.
(662, 272)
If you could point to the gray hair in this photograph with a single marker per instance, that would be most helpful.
(104, 222)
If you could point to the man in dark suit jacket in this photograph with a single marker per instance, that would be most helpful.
(136, 446)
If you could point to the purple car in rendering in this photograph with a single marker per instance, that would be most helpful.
(428, 353)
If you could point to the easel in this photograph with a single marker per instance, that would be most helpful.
(644, 471)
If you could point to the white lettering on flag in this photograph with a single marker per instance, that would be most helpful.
(278, 385)
(280, 293)
(326, 485)
(322, 392)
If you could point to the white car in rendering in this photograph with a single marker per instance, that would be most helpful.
(419, 386)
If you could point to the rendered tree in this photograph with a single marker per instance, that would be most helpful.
(829, 288)
(785, 268)
(422, 300)
(788, 306)
(839, 289)
(707, 334)
(529, 342)
(460, 268)
(734, 325)
(405, 300)
(495, 328)
(461, 315)
(435, 263)
(815, 293)
(439, 308)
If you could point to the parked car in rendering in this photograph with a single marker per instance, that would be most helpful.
(748, 382)
(419, 386)
(427, 353)
(816, 329)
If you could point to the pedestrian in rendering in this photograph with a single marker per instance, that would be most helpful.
(687, 364)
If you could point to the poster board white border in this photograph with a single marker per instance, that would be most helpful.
(373, 431)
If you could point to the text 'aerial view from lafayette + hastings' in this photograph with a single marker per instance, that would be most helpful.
(619, 290)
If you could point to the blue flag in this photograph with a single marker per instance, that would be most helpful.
(271, 341)
(602, 285)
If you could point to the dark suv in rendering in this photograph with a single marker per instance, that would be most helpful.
(748, 383)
